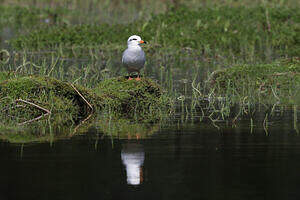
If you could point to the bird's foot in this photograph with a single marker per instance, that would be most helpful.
(138, 136)
(138, 78)
(129, 78)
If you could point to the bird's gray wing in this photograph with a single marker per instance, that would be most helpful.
(133, 59)
(126, 57)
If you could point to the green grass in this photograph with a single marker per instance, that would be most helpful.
(268, 83)
(222, 31)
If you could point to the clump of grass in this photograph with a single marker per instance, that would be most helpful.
(51, 94)
(57, 109)
(26, 98)
(141, 100)
(262, 83)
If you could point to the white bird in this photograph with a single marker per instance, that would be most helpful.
(134, 57)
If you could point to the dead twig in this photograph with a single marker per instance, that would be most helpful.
(35, 119)
(82, 96)
(285, 73)
(33, 104)
(37, 106)
(81, 123)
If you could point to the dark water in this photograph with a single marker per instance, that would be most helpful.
(185, 161)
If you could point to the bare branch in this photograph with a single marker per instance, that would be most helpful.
(35, 119)
(33, 104)
(81, 123)
(82, 96)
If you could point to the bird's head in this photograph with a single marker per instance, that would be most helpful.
(135, 40)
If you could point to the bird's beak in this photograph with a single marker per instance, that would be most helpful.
(142, 41)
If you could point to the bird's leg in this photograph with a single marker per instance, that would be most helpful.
(129, 76)
(138, 78)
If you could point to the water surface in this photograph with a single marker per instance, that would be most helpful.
(179, 161)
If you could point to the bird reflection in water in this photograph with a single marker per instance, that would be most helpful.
(133, 156)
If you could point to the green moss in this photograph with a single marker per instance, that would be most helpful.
(64, 103)
(141, 100)
(136, 100)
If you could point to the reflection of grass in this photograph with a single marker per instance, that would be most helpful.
(125, 129)
(43, 131)
(24, 138)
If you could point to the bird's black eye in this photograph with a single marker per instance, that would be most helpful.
(134, 39)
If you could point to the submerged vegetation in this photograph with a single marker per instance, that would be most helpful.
(219, 59)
